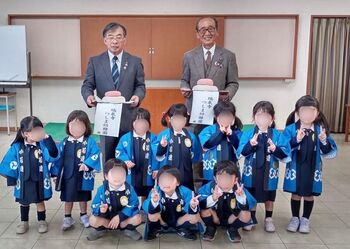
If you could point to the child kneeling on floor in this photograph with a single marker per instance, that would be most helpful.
(225, 202)
(115, 205)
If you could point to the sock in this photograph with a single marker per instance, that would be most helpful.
(253, 214)
(67, 215)
(24, 213)
(308, 205)
(41, 215)
(237, 224)
(295, 206)
(208, 221)
(268, 214)
(129, 227)
(154, 225)
(186, 225)
(100, 228)
(82, 214)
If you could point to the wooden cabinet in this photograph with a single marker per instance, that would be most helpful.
(159, 41)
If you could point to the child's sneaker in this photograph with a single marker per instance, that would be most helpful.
(249, 227)
(293, 225)
(132, 234)
(42, 226)
(152, 230)
(187, 234)
(96, 234)
(233, 235)
(269, 226)
(84, 220)
(68, 222)
(22, 227)
(304, 225)
(209, 234)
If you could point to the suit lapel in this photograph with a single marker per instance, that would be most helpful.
(199, 61)
(107, 67)
(123, 67)
(216, 62)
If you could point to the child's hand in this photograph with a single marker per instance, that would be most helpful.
(323, 135)
(154, 174)
(155, 196)
(300, 134)
(217, 193)
(272, 146)
(240, 190)
(254, 140)
(164, 141)
(103, 207)
(223, 129)
(228, 131)
(194, 201)
(114, 223)
(83, 167)
(130, 164)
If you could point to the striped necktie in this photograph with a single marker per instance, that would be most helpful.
(115, 72)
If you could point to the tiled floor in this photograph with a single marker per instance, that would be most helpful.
(330, 220)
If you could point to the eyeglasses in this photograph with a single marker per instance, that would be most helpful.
(117, 38)
(203, 30)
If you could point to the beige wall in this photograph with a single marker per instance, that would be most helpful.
(54, 99)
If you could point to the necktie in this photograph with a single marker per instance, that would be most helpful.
(115, 72)
(207, 63)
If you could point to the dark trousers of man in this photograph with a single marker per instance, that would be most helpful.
(108, 146)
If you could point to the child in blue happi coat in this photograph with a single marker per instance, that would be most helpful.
(310, 141)
(171, 205)
(177, 146)
(220, 140)
(263, 147)
(115, 205)
(134, 148)
(225, 202)
(75, 171)
(26, 167)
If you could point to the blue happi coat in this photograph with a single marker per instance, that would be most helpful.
(210, 155)
(290, 180)
(130, 209)
(249, 162)
(125, 152)
(185, 195)
(196, 150)
(208, 189)
(10, 167)
(92, 160)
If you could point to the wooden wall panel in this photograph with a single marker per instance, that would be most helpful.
(171, 38)
(157, 101)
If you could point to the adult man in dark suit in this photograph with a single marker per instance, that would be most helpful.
(114, 73)
(209, 61)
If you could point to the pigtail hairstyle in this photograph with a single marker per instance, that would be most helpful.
(228, 107)
(26, 125)
(175, 109)
(267, 107)
(308, 100)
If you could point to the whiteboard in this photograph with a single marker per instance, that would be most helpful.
(13, 55)
(264, 47)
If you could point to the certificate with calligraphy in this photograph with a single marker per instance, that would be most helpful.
(107, 116)
(204, 100)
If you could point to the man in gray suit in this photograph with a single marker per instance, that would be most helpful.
(209, 61)
(115, 73)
